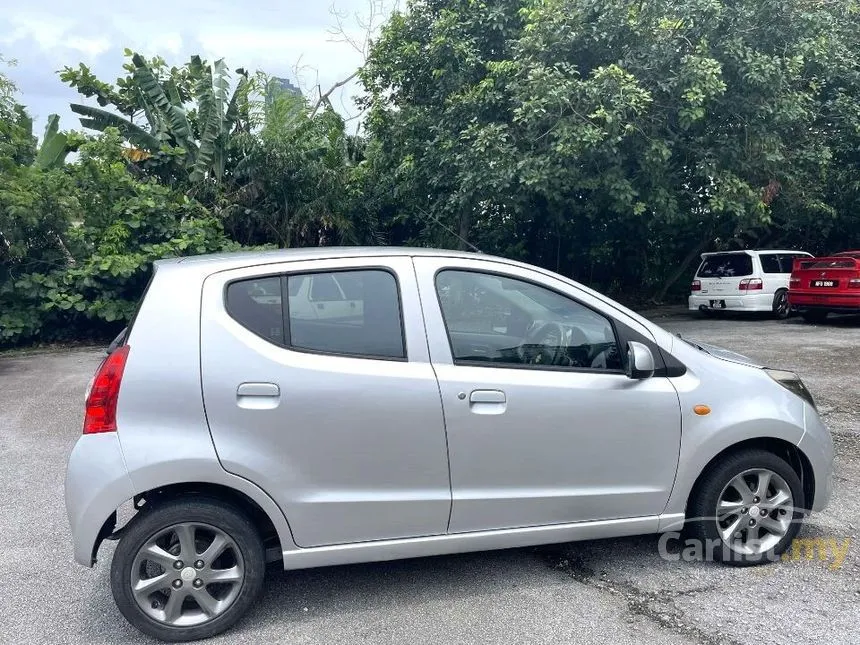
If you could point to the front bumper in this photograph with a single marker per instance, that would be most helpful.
(97, 483)
(748, 302)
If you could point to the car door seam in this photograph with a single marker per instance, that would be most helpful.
(439, 390)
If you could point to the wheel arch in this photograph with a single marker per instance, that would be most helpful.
(260, 509)
(793, 455)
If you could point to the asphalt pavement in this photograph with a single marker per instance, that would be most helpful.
(611, 591)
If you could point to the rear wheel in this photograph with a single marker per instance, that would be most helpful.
(815, 316)
(747, 509)
(187, 569)
(781, 308)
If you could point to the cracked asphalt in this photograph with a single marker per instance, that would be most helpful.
(613, 591)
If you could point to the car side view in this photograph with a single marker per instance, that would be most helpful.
(461, 402)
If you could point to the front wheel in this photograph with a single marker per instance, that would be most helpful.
(187, 569)
(747, 509)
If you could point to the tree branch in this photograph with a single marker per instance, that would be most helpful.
(324, 96)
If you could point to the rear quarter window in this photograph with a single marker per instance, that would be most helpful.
(770, 264)
(725, 265)
(256, 305)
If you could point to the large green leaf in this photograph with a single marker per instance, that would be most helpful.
(98, 119)
(212, 89)
(156, 95)
(239, 95)
(202, 90)
(52, 153)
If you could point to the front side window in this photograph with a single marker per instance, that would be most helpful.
(492, 319)
(363, 319)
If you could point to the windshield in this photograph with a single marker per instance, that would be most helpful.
(725, 265)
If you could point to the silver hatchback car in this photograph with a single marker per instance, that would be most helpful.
(327, 406)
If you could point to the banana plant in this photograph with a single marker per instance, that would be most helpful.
(55, 146)
(217, 114)
(204, 140)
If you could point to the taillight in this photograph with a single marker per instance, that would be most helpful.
(793, 282)
(696, 286)
(101, 400)
(854, 283)
(748, 284)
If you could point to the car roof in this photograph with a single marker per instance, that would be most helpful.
(220, 261)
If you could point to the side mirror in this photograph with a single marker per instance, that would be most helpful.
(640, 361)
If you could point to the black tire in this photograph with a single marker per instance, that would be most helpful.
(815, 316)
(216, 513)
(781, 308)
(702, 508)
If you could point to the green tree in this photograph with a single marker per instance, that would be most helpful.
(613, 140)
(290, 187)
(114, 224)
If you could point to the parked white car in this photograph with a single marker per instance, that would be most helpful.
(316, 297)
(744, 281)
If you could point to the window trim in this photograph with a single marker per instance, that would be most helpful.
(285, 311)
(520, 366)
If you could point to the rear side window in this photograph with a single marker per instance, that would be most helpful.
(770, 264)
(256, 305)
(346, 312)
(726, 265)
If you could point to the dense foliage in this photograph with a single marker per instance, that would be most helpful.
(610, 140)
(615, 140)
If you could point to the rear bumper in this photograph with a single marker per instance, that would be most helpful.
(806, 301)
(97, 483)
(747, 302)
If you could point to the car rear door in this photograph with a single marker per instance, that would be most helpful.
(338, 418)
(537, 444)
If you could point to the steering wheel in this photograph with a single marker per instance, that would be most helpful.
(543, 345)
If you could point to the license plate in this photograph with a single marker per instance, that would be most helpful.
(825, 283)
(718, 304)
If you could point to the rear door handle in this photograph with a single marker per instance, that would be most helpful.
(258, 389)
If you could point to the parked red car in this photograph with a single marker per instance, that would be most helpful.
(821, 285)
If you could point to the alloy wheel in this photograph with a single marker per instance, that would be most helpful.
(754, 511)
(782, 305)
(187, 574)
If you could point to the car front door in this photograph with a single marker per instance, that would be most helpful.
(337, 418)
(543, 425)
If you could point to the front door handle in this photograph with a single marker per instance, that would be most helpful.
(487, 396)
(258, 396)
(487, 402)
